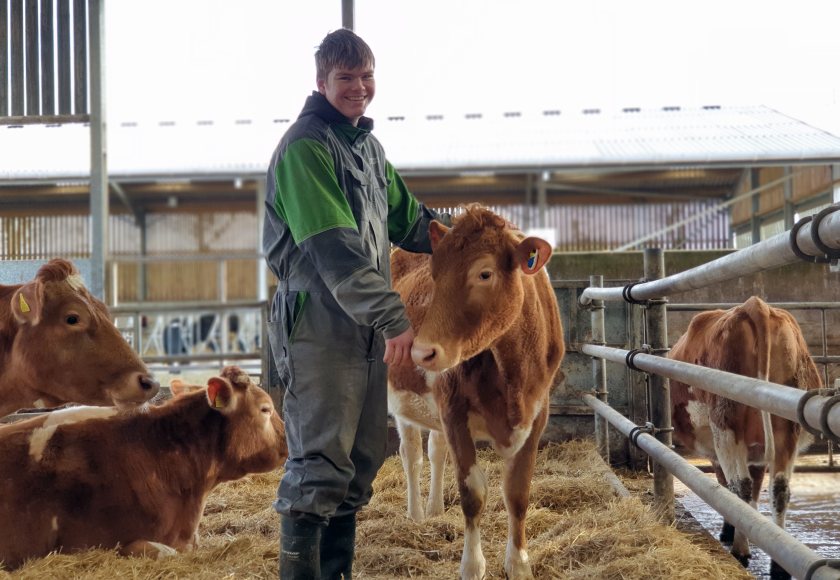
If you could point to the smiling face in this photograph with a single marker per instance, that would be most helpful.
(350, 90)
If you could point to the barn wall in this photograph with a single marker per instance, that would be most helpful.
(807, 182)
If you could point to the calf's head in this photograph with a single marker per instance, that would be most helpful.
(67, 348)
(254, 435)
(479, 268)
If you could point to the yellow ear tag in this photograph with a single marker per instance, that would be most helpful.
(219, 403)
(24, 307)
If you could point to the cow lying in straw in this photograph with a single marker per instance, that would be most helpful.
(59, 345)
(91, 476)
(754, 340)
(489, 343)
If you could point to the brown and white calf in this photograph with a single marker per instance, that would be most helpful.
(93, 476)
(754, 340)
(489, 343)
(58, 345)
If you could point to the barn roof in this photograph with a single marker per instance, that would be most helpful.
(513, 141)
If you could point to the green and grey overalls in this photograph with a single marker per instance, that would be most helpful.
(333, 205)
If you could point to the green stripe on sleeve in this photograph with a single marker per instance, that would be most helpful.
(402, 206)
(308, 196)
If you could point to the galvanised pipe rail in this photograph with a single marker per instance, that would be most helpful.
(776, 399)
(771, 253)
(786, 550)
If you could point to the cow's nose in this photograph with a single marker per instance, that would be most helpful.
(147, 383)
(423, 355)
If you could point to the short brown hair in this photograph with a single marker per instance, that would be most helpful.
(342, 48)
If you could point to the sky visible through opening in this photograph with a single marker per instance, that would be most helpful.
(189, 60)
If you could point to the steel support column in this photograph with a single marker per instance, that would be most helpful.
(599, 372)
(660, 390)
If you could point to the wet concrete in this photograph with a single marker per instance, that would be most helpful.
(813, 517)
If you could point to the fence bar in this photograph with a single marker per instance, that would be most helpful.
(771, 253)
(599, 372)
(660, 390)
(783, 548)
(776, 399)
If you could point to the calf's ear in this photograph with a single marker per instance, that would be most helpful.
(220, 395)
(436, 232)
(178, 387)
(26, 303)
(532, 253)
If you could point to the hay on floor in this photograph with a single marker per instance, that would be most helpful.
(577, 528)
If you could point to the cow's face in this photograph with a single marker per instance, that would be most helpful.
(255, 435)
(478, 268)
(69, 349)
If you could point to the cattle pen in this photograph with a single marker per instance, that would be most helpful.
(814, 240)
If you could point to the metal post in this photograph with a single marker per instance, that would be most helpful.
(660, 393)
(755, 221)
(599, 372)
(542, 198)
(348, 13)
(98, 152)
(835, 177)
(788, 210)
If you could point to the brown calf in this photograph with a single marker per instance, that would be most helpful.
(92, 476)
(59, 345)
(754, 340)
(489, 343)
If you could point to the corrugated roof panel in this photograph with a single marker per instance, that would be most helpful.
(681, 136)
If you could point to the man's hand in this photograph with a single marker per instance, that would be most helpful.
(398, 349)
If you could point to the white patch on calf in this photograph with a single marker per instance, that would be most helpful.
(163, 551)
(698, 414)
(39, 404)
(477, 482)
(76, 281)
(517, 562)
(430, 377)
(41, 436)
(55, 523)
(420, 410)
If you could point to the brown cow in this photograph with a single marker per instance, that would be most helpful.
(489, 343)
(754, 340)
(59, 345)
(93, 476)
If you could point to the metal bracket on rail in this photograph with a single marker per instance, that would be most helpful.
(628, 358)
(628, 297)
(830, 562)
(829, 254)
(834, 398)
(648, 428)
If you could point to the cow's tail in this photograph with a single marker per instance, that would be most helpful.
(759, 313)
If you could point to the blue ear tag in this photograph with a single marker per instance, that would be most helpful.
(532, 259)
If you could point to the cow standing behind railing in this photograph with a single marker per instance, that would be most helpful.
(759, 341)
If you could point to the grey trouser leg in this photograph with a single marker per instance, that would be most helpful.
(335, 411)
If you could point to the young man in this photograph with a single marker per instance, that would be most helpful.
(334, 205)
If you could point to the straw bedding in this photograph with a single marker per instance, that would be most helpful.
(577, 528)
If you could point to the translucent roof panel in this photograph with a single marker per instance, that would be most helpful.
(516, 140)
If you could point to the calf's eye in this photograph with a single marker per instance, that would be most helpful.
(485, 275)
(266, 409)
(72, 319)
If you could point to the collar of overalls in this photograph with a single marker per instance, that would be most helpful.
(317, 104)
